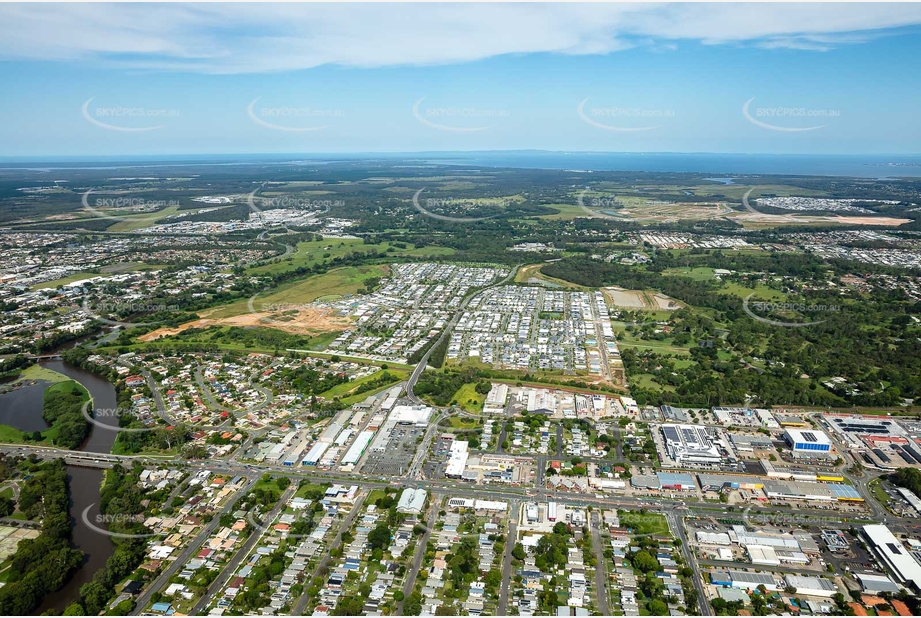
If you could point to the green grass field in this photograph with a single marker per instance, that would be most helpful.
(37, 372)
(319, 251)
(334, 284)
(565, 212)
(468, 399)
(700, 273)
(345, 389)
(648, 523)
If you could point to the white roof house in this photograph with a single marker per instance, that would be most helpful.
(411, 501)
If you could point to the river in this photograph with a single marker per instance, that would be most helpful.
(22, 408)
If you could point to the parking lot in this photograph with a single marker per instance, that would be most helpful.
(395, 459)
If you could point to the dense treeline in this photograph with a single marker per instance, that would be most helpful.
(63, 410)
(869, 339)
(14, 364)
(910, 478)
(44, 564)
(121, 503)
(440, 386)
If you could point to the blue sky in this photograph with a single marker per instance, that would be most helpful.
(115, 79)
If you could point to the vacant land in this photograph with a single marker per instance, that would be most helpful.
(641, 299)
(468, 399)
(319, 251)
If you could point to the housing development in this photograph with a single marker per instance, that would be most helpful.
(347, 407)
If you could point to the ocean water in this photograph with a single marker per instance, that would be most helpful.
(717, 165)
(862, 166)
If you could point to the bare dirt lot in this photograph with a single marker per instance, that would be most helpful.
(303, 321)
(638, 299)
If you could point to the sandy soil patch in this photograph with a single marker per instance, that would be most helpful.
(625, 298)
(666, 303)
(752, 217)
(303, 321)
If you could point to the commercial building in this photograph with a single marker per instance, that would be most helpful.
(411, 501)
(894, 555)
(811, 586)
(357, 449)
(807, 441)
(874, 583)
(676, 480)
(750, 581)
(690, 444)
(411, 415)
(315, 454)
(717, 482)
(457, 459)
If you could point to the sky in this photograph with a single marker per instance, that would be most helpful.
(144, 79)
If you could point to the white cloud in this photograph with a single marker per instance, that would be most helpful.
(252, 38)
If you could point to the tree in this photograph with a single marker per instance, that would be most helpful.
(379, 537)
(413, 604)
(7, 506)
(658, 608)
(518, 552)
(643, 561)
